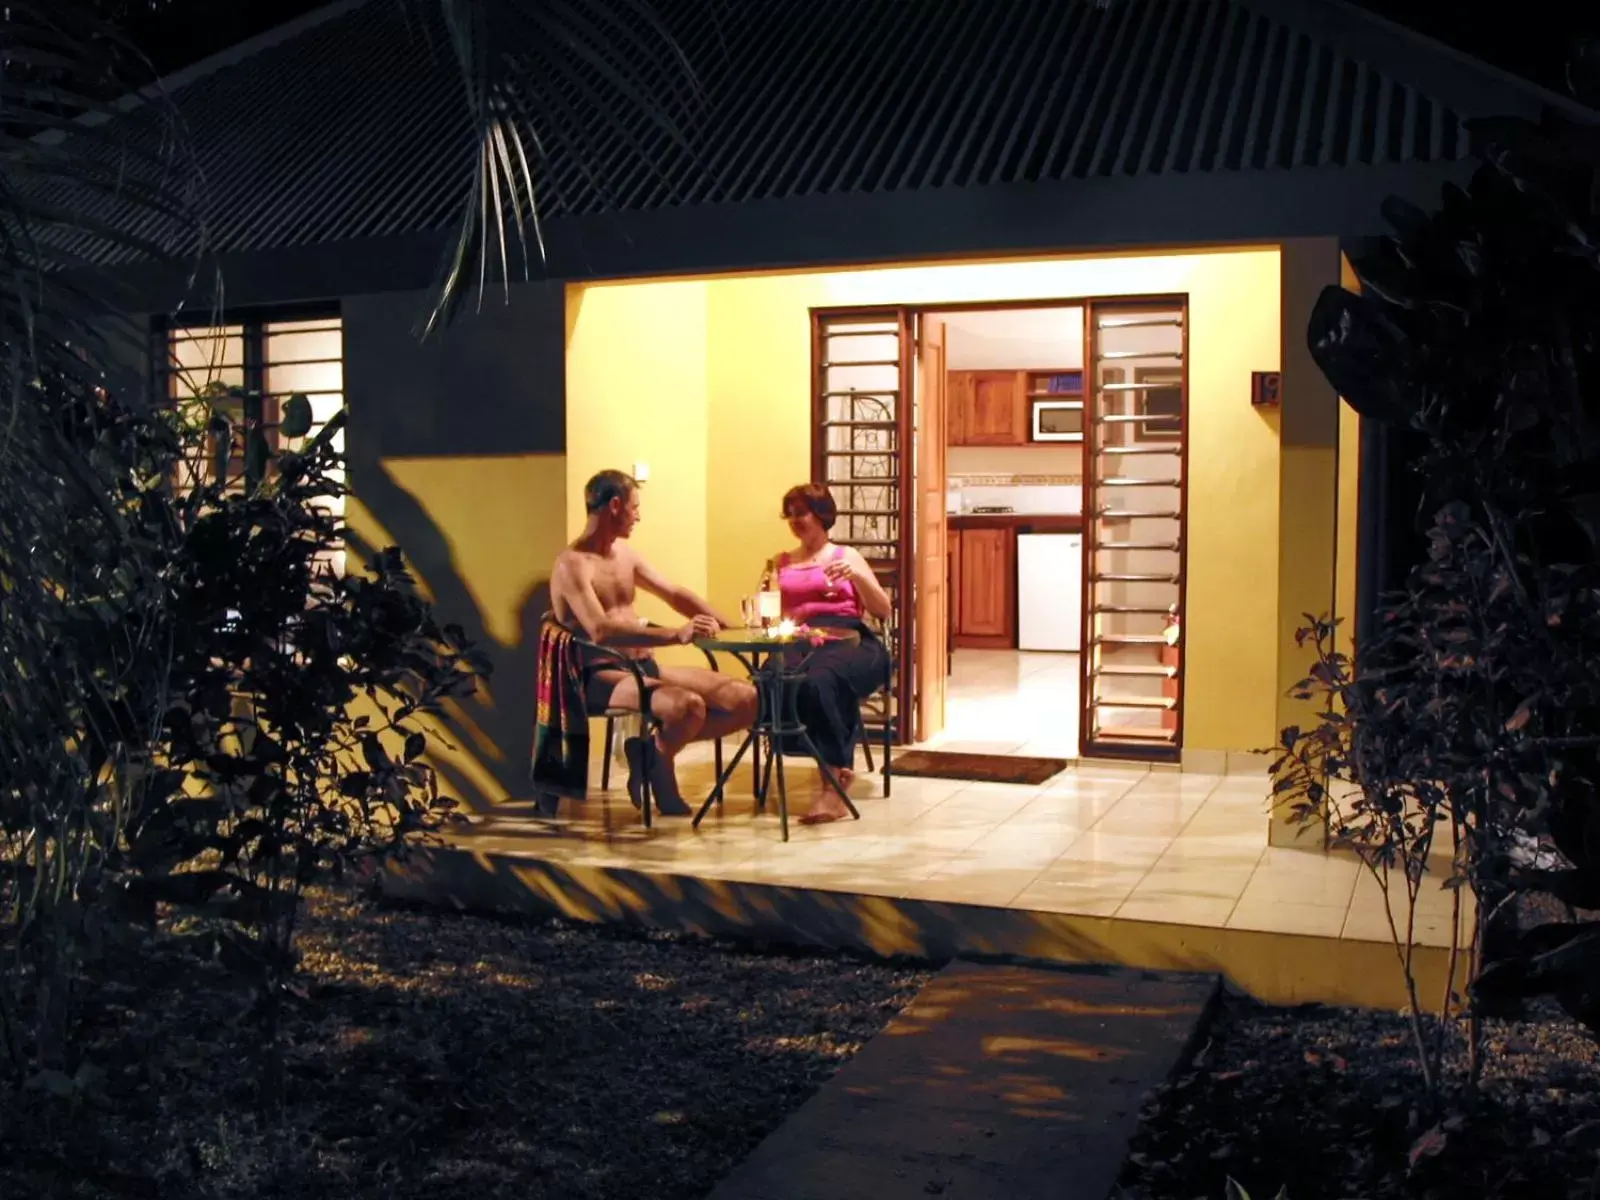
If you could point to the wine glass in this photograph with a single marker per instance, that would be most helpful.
(832, 572)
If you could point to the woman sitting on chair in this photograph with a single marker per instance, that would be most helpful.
(831, 587)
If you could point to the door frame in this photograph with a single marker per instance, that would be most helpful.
(901, 568)
(933, 444)
(905, 562)
(1131, 752)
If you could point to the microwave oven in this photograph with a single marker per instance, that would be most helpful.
(1056, 421)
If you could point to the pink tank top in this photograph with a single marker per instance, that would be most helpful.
(807, 593)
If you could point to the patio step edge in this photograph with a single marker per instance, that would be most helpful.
(1274, 968)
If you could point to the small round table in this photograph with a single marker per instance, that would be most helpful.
(777, 671)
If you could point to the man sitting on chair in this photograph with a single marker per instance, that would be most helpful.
(591, 591)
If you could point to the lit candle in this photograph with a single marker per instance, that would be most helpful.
(785, 628)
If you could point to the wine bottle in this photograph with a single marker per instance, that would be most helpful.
(768, 602)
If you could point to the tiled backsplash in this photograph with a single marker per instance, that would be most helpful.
(1022, 493)
(1013, 480)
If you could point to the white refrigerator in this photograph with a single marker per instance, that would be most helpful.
(1050, 591)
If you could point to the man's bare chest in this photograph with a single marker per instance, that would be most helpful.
(613, 582)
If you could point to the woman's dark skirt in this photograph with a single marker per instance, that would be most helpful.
(838, 677)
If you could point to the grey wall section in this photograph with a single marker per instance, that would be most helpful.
(493, 384)
(125, 353)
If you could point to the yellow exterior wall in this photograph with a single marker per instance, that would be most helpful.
(760, 384)
(481, 533)
(1349, 499)
(1307, 534)
(748, 401)
(636, 393)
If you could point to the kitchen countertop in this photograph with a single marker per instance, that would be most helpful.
(1037, 522)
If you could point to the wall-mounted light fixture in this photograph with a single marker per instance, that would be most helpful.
(1266, 389)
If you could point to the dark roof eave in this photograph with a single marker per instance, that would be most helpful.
(1449, 76)
(1081, 215)
(1131, 212)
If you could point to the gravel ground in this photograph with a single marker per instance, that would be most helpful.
(1325, 1103)
(443, 1055)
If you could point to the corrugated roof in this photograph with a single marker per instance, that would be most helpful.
(355, 127)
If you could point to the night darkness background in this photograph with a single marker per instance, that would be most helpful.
(1533, 38)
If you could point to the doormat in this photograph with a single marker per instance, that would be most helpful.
(982, 768)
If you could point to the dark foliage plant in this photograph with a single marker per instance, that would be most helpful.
(71, 691)
(1467, 726)
(249, 720)
(301, 701)
(196, 715)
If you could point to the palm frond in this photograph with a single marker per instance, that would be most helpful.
(549, 80)
(71, 186)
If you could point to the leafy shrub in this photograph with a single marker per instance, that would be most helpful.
(239, 718)
(1472, 710)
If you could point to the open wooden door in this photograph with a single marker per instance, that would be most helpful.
(863, 374)
(931, 622)
(1135, 501)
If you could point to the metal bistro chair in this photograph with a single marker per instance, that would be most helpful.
(648, 722)
(879, 713)
(613, 715)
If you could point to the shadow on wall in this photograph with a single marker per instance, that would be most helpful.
(456, 452)
(489, 736)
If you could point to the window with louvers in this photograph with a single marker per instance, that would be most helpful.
(859, 435)
(1136, 530)
(262, 363)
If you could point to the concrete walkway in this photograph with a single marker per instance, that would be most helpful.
(997, 1083)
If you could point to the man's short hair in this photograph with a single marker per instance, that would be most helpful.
(606, 486)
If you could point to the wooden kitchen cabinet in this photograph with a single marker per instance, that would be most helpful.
(987, 589)
(957, 400)
(988, 408)
(952, 587)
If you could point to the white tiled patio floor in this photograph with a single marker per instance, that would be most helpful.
(1112, 841)
(1011, 702)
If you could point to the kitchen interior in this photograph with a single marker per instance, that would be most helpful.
(1014, 500)
(1019, 409)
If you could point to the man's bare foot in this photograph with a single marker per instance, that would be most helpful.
(634, 749)
(644, 759)
(664, 785)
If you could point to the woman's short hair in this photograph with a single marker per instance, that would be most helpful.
(813, 498)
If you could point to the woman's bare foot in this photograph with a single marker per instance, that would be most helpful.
(826, 805)
(824, 809)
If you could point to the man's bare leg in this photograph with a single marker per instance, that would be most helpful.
(682, 714)
(730, 703)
